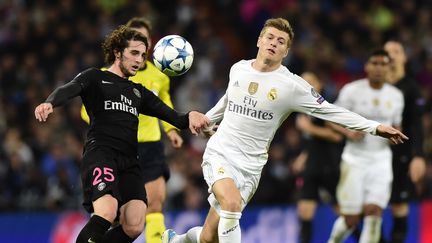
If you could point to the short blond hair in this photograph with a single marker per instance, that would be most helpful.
(280, 24)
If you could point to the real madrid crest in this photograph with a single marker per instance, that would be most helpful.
(272, 95)
(137, 93)
(253, 87)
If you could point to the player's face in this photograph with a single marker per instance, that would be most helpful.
(146, 33)
(273, 45)
(132, 58)
(377, 68)
(396, 52)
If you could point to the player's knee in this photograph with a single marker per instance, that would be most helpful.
(231, 204)
(372, 210)
(155, 204)
(352, 220)
(133, 230)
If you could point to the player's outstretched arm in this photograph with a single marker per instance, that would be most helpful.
(391, 133)
(42, 111)
(197, 122)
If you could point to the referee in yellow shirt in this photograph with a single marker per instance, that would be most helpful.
(150, 147)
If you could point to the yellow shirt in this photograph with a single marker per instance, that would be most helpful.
(157, 82)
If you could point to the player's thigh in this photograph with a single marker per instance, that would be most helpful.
(350, 189)
(132, 217)
(99, 175)
(227, 194)
(209, 232)
(131, 183)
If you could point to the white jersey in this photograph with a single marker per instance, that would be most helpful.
(254, 106)
(384, 105)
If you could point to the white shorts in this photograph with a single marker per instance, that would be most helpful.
(217, 168)
(364, 183)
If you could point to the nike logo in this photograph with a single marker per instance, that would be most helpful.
(90, 240)
(106, 82)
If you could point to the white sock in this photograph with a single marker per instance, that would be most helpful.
(371, 229)
(229, 227)
(340, 231)
(191, 236)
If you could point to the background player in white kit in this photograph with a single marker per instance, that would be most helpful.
(261, 94)
(366, 167)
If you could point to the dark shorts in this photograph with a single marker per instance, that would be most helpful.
(321, 173)
(151, 156)
(402, 186)
(107, 171)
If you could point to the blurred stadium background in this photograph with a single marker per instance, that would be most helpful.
(45, 43)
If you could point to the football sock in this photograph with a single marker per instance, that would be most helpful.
(117, 235)
(340, 231)
(155, 227)
(400, 228)
(371, 229)
(94, 230)
(305, 231)
(229, 227)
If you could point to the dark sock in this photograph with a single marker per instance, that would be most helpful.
(93, 230)
(400, 228)
(306, 231)
(117, 235)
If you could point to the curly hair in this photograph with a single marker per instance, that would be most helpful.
(118, 40)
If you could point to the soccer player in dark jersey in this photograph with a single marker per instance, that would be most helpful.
(150, 147)
(318, 164)
(409, 164)
(110, 173)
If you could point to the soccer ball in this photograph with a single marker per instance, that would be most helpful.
(173, 55)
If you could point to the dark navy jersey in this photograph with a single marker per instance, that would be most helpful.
(113, 104)
(411, 119)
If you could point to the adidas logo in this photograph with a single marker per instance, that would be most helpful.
(236, 84)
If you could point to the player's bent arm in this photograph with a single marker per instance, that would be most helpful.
(57, 98)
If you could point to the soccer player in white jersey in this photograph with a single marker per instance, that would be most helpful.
(261, 94)
(366, 167)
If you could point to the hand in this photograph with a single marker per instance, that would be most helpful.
(175, 139)
(197, 121)
(417, 169)
(42, 111)
(391, 133)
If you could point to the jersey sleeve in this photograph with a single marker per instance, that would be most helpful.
(151, 105)
(216, 113)
(72, 89)
(165, 96)
(307, 100)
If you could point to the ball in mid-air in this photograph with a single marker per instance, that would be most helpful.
(173, 55)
